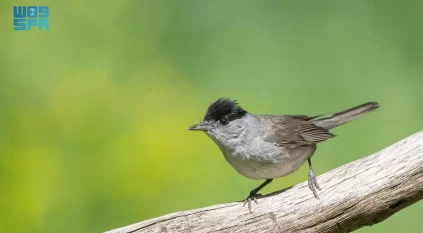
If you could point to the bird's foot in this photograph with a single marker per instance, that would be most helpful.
(312, 183)
(252, 197)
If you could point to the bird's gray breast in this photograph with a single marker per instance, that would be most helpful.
(263, 160)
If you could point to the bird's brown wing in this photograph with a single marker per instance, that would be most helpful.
(292, 131)
(302, 117)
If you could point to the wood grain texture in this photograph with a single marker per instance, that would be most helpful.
(357, 194)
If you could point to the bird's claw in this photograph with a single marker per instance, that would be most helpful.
(251, 197)
(312, 183)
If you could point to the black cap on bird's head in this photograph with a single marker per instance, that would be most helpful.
(223, 110)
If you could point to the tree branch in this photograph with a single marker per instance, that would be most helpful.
(360, 193)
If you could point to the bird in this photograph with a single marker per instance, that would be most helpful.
(265, 147)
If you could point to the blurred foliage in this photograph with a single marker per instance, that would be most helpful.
(94, 112)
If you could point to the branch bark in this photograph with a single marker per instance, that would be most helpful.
(357, 194)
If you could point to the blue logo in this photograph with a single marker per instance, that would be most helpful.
(27, 17)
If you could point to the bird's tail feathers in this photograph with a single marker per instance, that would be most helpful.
(346, 116)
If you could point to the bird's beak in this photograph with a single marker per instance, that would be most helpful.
(201, 126)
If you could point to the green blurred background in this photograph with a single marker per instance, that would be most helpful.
(94, 112)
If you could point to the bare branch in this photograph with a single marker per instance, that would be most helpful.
(360, 193)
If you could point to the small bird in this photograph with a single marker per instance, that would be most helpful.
(265, 147)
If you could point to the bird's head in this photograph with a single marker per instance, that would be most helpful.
(219, 116)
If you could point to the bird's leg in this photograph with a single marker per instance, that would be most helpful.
(254, 194)
(312, 181)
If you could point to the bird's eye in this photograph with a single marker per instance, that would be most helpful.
(223, 121)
